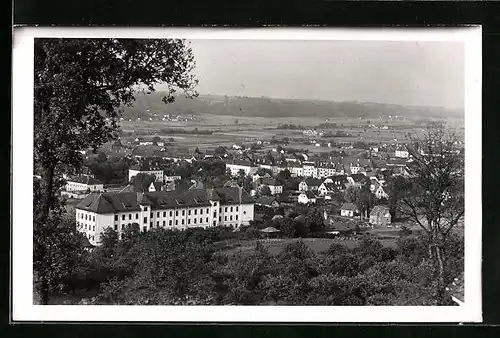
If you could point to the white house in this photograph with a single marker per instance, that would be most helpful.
(163, 209)
(309, 169)
(309, 184)
(307, 197)
(274, 186)
(349, 210)
(327, 189)
(237, 165)
(340, 181)
(325, 170)
(295, 169)
(401, 152)
(83, 183)
(380, 192)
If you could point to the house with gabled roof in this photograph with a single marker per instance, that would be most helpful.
(340, 181)
(327, 189)
(309, 184)
(349, 210)
(357, 179)
(83, 183)
(307, 197)
(273, 184)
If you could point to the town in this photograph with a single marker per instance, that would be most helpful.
(263, 185)
(158, 180)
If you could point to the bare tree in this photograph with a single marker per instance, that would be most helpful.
(433, 195)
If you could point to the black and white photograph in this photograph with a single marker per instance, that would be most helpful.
(220, 175)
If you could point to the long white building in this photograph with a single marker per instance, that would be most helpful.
(163, 209)
(236, 165)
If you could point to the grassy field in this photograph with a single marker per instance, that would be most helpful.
(276, 245)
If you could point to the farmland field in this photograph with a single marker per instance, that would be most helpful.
(227, 130)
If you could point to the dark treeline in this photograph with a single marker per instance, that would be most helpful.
(194, 267)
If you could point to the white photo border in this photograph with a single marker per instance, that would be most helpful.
(22, 187)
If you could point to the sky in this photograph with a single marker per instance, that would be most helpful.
(397, 72)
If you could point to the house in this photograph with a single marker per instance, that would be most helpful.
(309, 169)
(380, 192)
(236, 165)
(307, 197)
(349, 210)
(401, 152)
(83, 183)
(325, 170)
(267, 201)
(145, 167)
(309, 184)
(166, 209)
(295, 169)
(327, 189)
(380, 216)
(340, 181)
(356, 179)
(274, 186)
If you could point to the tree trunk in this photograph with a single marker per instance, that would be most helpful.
(44, 290)
(49, 178)
(441, 282)
(47, 201)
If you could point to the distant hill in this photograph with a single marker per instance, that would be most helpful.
(147, 105)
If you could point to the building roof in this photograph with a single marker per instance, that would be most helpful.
(241, 163)
(231, 195)
(108, 203)
(144, 166)
(157, 185)
(265, 200)
(313, 182)
(309, 194)
(270, 181)
(358, 177)
(330, 186)
(85, 179)
(339, 178)
(349, 206)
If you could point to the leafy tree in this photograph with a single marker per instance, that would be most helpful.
(434, 195)
(265, 190)
(395, 186)
(79, 87)
(314, 221)
(283, 176)
(59, 249)
(156, 139)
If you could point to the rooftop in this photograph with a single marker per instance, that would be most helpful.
(108, 203)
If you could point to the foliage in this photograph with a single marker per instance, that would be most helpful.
(433, 196)
(80, 86)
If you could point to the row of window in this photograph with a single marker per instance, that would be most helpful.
(158, 213)
(225, 209)
(85, 226)
(170, 222)
(85, 216)
(230, 218)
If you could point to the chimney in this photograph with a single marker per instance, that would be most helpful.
(240, 191)
(139, 197)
